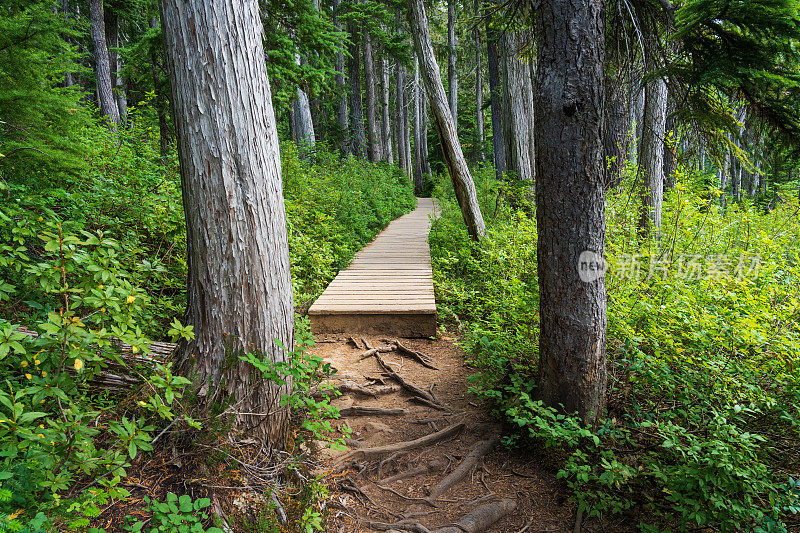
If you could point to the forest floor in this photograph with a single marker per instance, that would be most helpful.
(364, 495)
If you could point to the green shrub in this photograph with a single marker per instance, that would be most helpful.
(703, 421)
(176, 515)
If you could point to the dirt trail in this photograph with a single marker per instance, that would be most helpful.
(358, 503)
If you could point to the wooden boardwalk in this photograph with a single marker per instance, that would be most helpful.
(388, 287)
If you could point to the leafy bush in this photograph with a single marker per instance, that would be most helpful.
(177, 514)
(703, 422)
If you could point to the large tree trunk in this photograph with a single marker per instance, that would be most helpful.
(452, 73)
(495, 89)
(303, 123)
(373, 126)
(342, 122)
(451, 147)
(357, 134)
(115, 64)
(239, 295)
(417, 97)
(386, 127)
(518, 109)
(102, 64)
(570, 205)
(651, 152)
(479, 133)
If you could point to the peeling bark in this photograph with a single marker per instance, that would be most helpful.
(445, 126)
(239, 295)
(452, 73)
(495, 91)
(373, 126)
(102, 64)
(518, 109)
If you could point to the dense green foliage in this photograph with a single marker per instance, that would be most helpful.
(89, 260)
(704, 356)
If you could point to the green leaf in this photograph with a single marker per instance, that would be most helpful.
(185, 504)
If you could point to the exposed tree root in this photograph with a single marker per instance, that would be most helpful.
(430, 466)
(377, 451)
(373, 351)
(469, 462)
(429, 403)
(420, 357)
(480, 518)
(355, 388)
(475, 521)
(358, 410)
(410, 387)
(354, 342)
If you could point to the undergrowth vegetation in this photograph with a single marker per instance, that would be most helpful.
(703, 421)
(92, 255)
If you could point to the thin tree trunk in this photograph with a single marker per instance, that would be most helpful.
(670, 146)
(445, 125)
(651, 157)
(479, 133)
(723, 181)
(638, 118)
(426, 164)
(105, 93)
(161, 102)
(373, 125)
(115, 64)
(239, 296)
(616, 133)
(570, 205)
(495, 89)
(69, 80)
(303, 123)
(407, 128)
(417, 131)
(357, 133)
(452, 73)
(402, 156)
(342, 122)
(518, 110)
(386, 133)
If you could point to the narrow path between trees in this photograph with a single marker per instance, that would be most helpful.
(422, 451)
(388, 287)
(422, 455)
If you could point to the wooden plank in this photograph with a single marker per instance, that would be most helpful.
(388, 287)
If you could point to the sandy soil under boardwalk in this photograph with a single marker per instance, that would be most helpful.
(503, 472)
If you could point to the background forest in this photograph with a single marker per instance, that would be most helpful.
(700, 135)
